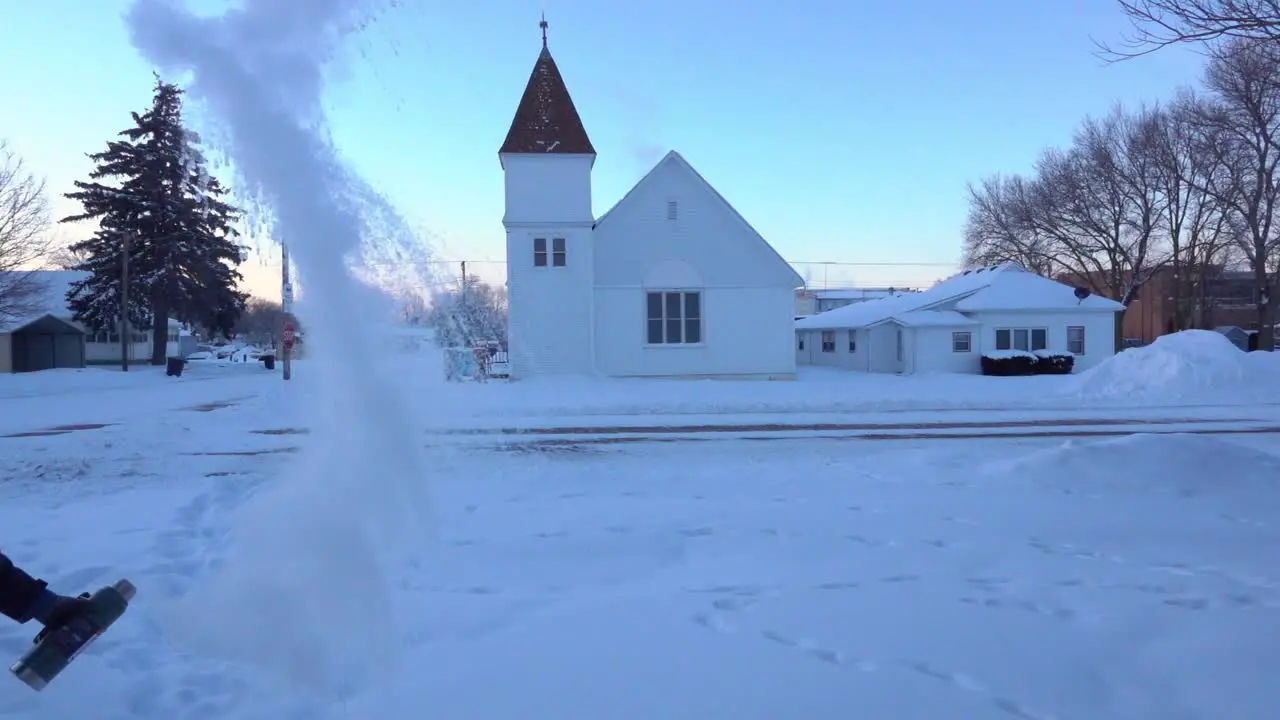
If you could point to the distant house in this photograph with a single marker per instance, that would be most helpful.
(947, 327)
(812, 302)
(49, 338)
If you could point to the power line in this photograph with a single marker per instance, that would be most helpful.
(416, 263)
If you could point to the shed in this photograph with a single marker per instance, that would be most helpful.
(1246, 340)
(41, 343)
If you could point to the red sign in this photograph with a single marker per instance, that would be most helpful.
(288, 335)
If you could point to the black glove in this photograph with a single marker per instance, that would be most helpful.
(63, 610)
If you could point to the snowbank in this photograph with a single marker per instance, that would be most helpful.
(1178, 465)
(1188, 364)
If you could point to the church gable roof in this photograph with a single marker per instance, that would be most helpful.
(546, 120)
(676, 160)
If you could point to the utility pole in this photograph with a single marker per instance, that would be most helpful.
(125, 334)
(464, 283)
(286, 305)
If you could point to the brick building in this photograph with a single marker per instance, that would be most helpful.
(1224, 298)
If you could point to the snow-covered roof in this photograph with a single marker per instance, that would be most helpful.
(874, 311)
(1003, 287)
(1023, 291)
(52, 300)
(932, 318)
(852, 293)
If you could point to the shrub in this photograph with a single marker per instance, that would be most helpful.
(1008, 363)
(1054, 362)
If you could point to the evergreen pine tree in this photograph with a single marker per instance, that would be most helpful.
(203, 289)
(182, 244)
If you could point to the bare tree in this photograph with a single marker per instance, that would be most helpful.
(1160, 23)
(1243, 140)
(24, 242)
(66, 257)
(999, 228)
(261, 321)
(474, 312)
(1101, 203)
(1194, 221)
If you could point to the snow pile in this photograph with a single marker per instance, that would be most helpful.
(1187, 364)
(1178, 465)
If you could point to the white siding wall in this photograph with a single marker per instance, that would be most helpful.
(804, 356)
(841, 357)
(1099, 334)
(748, 314)
(747, 333)
(97, 353)
(547, 188)
(882, 348)
(933, 350)
(550, 310)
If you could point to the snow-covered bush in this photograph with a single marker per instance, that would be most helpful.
(1007, 363)
(1054, 362)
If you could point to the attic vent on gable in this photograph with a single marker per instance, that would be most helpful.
(673, 210)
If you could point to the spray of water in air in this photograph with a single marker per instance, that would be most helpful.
(307, 591)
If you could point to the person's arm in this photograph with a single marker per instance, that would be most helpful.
(22, 597)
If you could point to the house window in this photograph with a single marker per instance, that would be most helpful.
(853, 341)
(962, 341)
(557, 252)
(800, 341)
(674, 318)
(1075, 339)
(828, 341)
(539, 252)
(673, 209)
(1029, 339)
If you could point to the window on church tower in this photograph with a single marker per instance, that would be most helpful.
(674, 318)
(557, 252)
(539, 252)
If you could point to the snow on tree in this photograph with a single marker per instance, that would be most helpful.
(182, 243)
(474, 313)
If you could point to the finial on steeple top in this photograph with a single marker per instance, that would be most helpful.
(543, 25)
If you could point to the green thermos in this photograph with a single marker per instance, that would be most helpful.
(56, 647)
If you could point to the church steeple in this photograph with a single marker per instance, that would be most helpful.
(546, 120)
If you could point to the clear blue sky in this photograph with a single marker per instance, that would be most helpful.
(844, 131)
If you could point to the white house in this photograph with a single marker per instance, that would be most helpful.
(49, 338)
(671, 282)
(947, 327)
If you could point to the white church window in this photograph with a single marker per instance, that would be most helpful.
(557, 252)
(539, 252)
(674, 318)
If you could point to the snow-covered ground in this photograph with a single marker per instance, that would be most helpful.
(584, 571)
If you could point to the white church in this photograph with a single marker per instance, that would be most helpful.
(671, 282)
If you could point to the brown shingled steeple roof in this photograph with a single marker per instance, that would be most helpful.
(546, 120)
